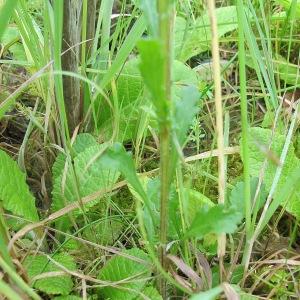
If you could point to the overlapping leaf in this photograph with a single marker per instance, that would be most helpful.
(14, 191)
(86, 175)
(56, 284)
(130, 274)
(259, 141)
(192, 39)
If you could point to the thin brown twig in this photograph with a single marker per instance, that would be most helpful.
(219, 116)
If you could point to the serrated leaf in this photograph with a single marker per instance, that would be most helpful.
(119, 268)
(258, 143)
(217, 219)
(14, 192)
(88, 175)
(82, 142)
(191, 40)
(56, 285)
(105, 232)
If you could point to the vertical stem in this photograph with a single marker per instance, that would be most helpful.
(219, 117)
(244, 116)
(165, 25)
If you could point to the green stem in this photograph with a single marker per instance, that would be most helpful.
(18, 280)
(165, 26)
(8, 292)
(244, 116)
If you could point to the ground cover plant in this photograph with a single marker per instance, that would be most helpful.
(149, 149)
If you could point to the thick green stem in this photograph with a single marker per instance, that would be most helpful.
(165, 26)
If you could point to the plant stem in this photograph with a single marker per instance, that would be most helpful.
(219, 116)
(165, 25)
(244, 116)
(18, 280)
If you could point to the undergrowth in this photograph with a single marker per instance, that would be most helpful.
(149, 149)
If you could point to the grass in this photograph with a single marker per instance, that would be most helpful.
(179, 180)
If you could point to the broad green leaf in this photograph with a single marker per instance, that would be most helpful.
(82, 142)
(205, 69)
(10, 41)
(152, 224)
(133, 98)
(6, 11)
(14, 192)
(105, 232)
(11, 33)
(192, 39)
(88, 174)
(151, 212)
(185, 111)
(211, 294)
(289, 190)
(55, 285)
(217, 219)
(196, 202)
(236, 198)
(117, 157)
(258, 145)
(130, 88)
(133, 274)
(151, 293)
(151, 66)
(290, 73)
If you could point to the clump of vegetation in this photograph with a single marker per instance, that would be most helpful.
(149, 149)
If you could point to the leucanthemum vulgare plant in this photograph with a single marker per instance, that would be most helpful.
(149, 149)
